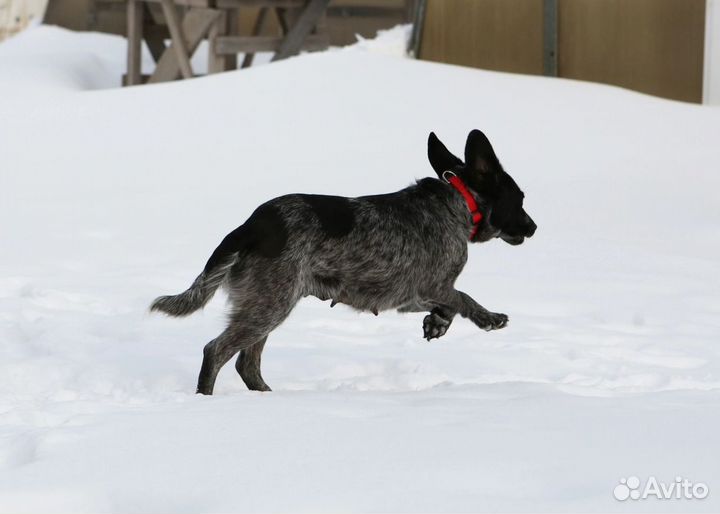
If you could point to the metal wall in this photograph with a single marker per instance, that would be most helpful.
(654, 46)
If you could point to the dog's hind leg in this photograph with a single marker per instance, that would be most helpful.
(248, 366)
(216, 354)
(254, 317)
(236, 338)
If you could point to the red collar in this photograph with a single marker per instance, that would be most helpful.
(461, 188)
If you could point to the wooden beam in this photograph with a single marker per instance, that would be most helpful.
(216, 62)
(225, 24)
(260, 3)
(134, 37)
(178, 39)
(226, 45)
(154, 34)
(256, 31)
(366, 11)
(143, 78)
(293, 42)
(186, 3)
(233, 27)
(281, 15)
(195, 25)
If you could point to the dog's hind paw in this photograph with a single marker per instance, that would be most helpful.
(490, 320)
(434, 326)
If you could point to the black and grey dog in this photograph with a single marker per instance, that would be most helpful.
(401, 251)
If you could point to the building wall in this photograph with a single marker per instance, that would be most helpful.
(711, 92)
(504, 35)
(653, 46)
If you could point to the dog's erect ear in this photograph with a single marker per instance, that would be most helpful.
(440, 157)
(479, 153)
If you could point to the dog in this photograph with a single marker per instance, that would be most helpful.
(401, 251)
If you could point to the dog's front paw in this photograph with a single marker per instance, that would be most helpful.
(490, 320)
(434, 326)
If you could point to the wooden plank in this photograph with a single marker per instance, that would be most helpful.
(253, 44)
(282, 19)
(154, 34)
(226, 24)
(134, 37)
(321, 26)
(187, 3)
(156, 44)
(366, 11)
(221, 4)
(178, 39)
(233, 27)
(216, 62)
(341, 31)
(293, 42)
(256, 31)
(195, 25)
(143, 78)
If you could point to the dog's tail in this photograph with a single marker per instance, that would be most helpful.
(205, 285)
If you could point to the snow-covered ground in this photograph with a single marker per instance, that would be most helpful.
(609, 368)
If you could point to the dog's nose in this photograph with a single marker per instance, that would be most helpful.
(532, 227)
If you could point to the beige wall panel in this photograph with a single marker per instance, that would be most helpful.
(503, 35)
(654, 46)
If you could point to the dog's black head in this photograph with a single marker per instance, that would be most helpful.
(499, 197)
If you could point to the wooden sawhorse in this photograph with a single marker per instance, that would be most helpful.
(216, 21)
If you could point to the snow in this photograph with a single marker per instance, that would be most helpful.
(610, 366)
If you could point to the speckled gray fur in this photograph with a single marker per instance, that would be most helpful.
(400, 251)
